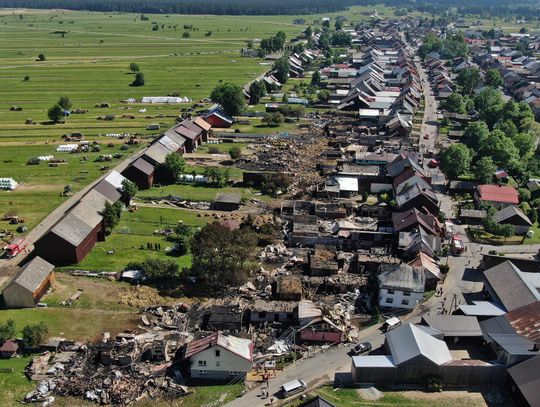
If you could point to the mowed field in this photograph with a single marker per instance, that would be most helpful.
(89, 64)
(87, 58)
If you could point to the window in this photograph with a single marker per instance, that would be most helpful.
(390, 291)
(405, 302)
(218, 363)
(389, 300)
(218, 353)
(203, 371)
(406, 293)
(202, 362)
(233, 373)
(262, 315)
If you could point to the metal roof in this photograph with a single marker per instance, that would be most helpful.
(404, 277)
(72, 229)
(454, 325)
(143, 166)
(515, 344)
(373, 361)
(408, 341)
(157, 152)
(511, 286)
(482, 308)
(526, 376)
(32, 274)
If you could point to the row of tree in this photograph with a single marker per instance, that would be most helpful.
(32, 334)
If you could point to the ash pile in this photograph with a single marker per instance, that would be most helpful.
(116, 372)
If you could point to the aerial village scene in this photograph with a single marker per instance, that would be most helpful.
(269, 203)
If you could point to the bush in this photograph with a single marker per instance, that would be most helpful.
(26, 78)
(214, 150)
(235, 153)
(35, 334)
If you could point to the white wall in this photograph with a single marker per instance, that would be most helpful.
(217, 366)
(398, 297)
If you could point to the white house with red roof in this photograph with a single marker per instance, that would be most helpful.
(219, 357)
(499, 196)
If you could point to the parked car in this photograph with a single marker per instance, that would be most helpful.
(361, 348)
(292, 387)
(390, 324)
(426, 136)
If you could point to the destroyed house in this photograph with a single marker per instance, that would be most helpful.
(272, 311)
(29, 284)
(224, 318)
(305, 231)
(320, 330)
(288, 288)
(218, 357)
(323, 262)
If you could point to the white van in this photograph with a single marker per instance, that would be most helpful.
(390, 324)
(292, 387)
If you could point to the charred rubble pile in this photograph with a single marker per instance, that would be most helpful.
(116, 372)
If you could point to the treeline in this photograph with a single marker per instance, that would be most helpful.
(217, 7)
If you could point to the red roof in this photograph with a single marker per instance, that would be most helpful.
(498, 193)
(9, 346)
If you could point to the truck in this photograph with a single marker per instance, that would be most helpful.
(16, 246)
(456, 245)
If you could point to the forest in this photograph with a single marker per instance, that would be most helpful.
(277, 7)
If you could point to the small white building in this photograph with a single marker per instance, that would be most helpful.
(402, 286)
(219, 357)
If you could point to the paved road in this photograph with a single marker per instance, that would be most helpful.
(57, 213)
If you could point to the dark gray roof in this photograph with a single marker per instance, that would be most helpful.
(496, 326)
(108, 190)
(399, 165)
(404, 277)
(526, 376)
(454, 325)
(510, 285)
(316, 402)
(409, 341)
(157, 152)
(514, 344)
(473, 213)
(228, 197)
(32, 274)
(143, 166)
(509, 212)
(72, 229)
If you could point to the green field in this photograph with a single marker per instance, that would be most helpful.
(41, 185)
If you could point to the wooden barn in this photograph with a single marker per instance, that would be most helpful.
(29, 284)
(141, 172)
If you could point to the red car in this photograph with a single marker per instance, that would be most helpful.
(426, 136)
(433, 164)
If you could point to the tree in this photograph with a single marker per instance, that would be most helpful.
(7, 330)
(220, 255)
(172, 167)
(500, 148)
(518, 113)
(157, 271)
(525, 143)
(484, 169)
(41, 57)
(34, 334)
(55, 113)
(139, 79)
(26, 78)
(185, 34)
(456, 160)
(323, 95)
(455, 103)
(235, 153)
(184, 234)
(493, 78)
(316, 78)
(326, 23)
(274, 183)
(468, 79)
(489, 103)
(217, 176)
(308, 32)
(338, 25)
(129, 190)
(341, 38)
(134, 67)
(281, 69)
(257, 90)
(497, 229)
(111, 216)
(230, 97)
(65, 103)
(273, 119)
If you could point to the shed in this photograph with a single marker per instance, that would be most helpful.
(141, 172)
(514, 217)
(9, 349)
(454, 326)
(28, 286)
(227, 201)
(524, 382)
